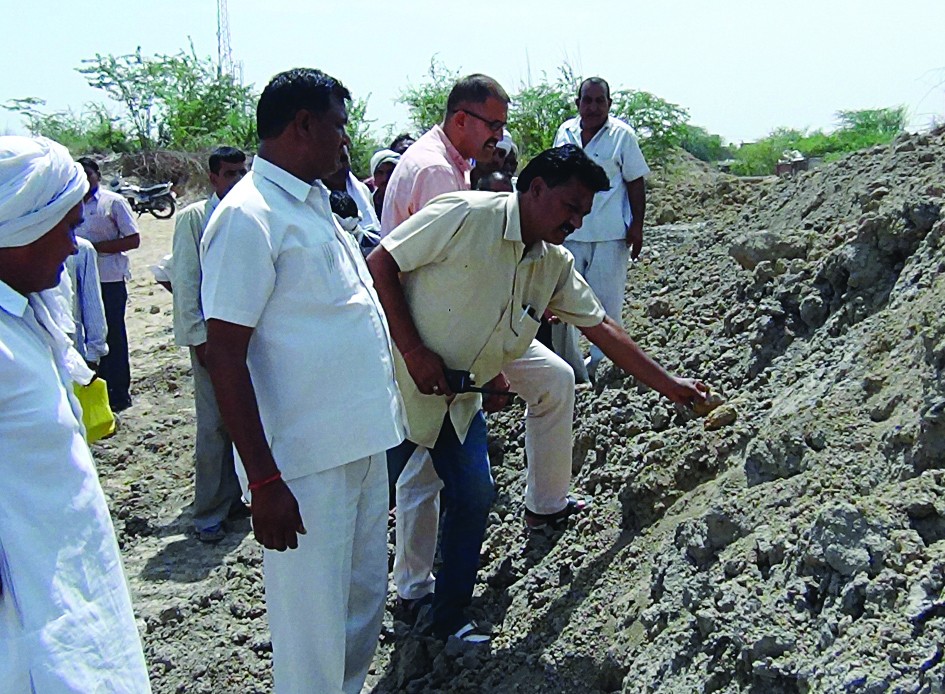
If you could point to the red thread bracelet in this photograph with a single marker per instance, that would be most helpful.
(255, 486)
(411, 350)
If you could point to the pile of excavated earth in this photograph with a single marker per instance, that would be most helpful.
(791, 541)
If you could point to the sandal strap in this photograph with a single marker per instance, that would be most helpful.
(471, 633)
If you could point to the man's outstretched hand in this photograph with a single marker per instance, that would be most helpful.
(687, 391)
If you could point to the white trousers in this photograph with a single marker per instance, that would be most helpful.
(326, 599)
(604, 265)
(546, 383)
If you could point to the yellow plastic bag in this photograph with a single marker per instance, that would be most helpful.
(96, 414)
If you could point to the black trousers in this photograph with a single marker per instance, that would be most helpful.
(114, 366)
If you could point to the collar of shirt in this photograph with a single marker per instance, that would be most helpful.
(513, 230)
(452, 153)
(212, 204)
(296, 187)
(577, 128)
(11, 300)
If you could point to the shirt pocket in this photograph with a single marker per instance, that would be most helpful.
(524, 324)
(612, 168)
(320, 274)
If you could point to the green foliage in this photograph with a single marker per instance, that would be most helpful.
(176, 101)
(537, 111)
(92, 130)
(363, 142)
(760, 158)
(202, 108)
(427, 100)
(858, 130)
(660, 125)
(703, 145)
(888, 121)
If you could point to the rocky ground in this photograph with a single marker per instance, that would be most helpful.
(790, 542)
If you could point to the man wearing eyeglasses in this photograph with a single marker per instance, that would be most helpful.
(438, 163)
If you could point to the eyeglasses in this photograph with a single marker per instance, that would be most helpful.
(495, 126)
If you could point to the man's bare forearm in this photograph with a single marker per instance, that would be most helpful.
(425, 366)
(226, 350)
(125, 243)
(625, 353)
(636, 193)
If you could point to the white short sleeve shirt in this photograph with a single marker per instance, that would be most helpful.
(320, 357)
(616, 150)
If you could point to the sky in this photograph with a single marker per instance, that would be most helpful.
(740, 67)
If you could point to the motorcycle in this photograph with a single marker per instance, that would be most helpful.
(158, 199)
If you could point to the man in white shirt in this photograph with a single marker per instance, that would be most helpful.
(66, 623)
(216, 489)
(112, 229)
(614, 228)
(298, 348)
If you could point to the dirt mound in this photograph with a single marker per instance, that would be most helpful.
(797, 548)
(793, 542)
(186, 170)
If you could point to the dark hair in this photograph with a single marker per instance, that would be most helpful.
(496, 177)
(599, 81)
(559, 165)
(89, 163)
(292, 91)
(343, 204)
(474, 89)
(230, 155)
(398, 142)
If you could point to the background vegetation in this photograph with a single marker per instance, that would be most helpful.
(183, 102)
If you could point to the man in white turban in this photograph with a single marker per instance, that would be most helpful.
(66, 623)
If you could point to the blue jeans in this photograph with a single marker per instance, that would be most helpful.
(467, 496)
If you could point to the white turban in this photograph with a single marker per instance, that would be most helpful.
(505, 144)
(383, 156)
(39, 184)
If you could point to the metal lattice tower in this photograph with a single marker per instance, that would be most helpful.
(224, 55)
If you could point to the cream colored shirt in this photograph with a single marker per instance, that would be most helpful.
(476, 296)
(190, 328)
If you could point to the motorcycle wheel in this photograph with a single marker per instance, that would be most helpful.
(163, 207)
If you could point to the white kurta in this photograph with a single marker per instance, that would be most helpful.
(66, 623)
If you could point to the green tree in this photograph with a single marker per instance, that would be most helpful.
(538, 109)
(427, 100)
(202, 108)
(177, 101)
(363, 141)
(858, 130)
(760, 158)
(134, 81)
(888, 121)
(660, 125)
(703, 145)
(92, 130)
